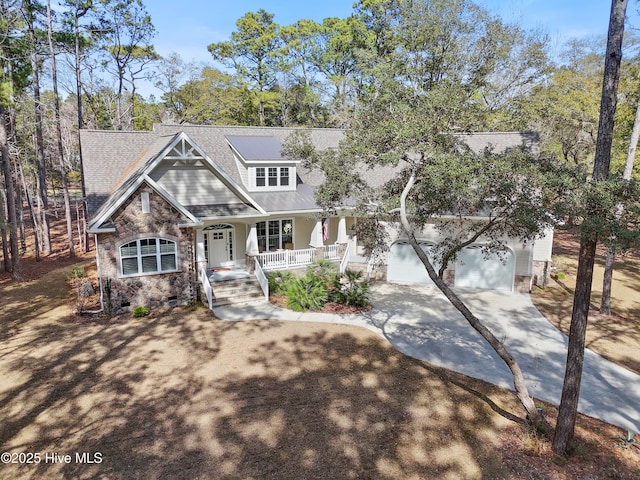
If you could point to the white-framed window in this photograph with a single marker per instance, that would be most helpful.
(260, 177)
(275, 234)
(147, 256)
(272, 177)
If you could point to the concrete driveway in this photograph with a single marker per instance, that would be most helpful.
(420, 322)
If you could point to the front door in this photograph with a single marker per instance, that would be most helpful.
(219, 246)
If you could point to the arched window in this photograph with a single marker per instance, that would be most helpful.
(147, 256)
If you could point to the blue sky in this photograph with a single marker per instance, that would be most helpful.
(187, 27)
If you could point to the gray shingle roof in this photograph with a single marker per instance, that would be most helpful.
(300, 199)
(113, 159)
(501, 141)
(106, 157)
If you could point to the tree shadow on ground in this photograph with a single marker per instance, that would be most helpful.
(181, 396)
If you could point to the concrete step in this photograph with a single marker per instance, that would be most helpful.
(237, 300)
(236, 291)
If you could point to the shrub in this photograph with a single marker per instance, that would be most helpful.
(279, 282)
(82, 286)
(325, 271)
(351, 289)
(76, 273)
(140, 311)
(307, 293)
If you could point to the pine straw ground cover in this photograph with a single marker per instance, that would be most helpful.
(180, 394)
(616, 336)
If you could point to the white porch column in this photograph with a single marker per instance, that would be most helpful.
(200, 258)
(316, 235)
(252, 241)
(342, 231)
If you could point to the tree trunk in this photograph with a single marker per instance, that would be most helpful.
(84, 237)
(568, 410)
(43, 202)
(11, 138)
(14, 251)
(32, 212)
(3, 234)
(575, 356)
(56, 100)
(607, 281)
(533, 416)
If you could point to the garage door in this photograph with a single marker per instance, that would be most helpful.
(405, 266)
(473, 270)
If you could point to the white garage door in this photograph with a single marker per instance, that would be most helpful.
(474, 271)
(405, 266)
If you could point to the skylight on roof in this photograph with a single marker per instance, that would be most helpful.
(257, 148)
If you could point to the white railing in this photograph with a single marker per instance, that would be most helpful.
(262, 279)
(332, 252)
(206, 285)
(345, 260)
(283, 259)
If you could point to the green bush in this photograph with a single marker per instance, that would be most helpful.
(351, 289)
(307, 293)
(279, 282)
(76, 273)
(140, 311)
(325, 271)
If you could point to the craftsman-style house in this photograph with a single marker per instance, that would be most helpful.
(181, 209)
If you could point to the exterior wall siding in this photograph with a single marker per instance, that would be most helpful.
(193, 185)
(303, 226)
(242, 171)
(153, 290)
(543, 246)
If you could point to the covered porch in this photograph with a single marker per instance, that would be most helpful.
(269, 245)
(290, 259)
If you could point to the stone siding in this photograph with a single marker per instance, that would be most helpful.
(522, 283)
(149, 290)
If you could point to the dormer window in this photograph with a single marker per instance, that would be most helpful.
(261, 163)
(260, 177)
(272, 177)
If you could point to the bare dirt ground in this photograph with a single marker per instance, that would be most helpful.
(615, 337)
(181, 394)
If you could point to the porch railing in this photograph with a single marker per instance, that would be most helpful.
(286, 259)
(332, 252)
(262, 278)
(204, 279)
(345, 260)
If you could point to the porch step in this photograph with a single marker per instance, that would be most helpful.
(230, 292)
